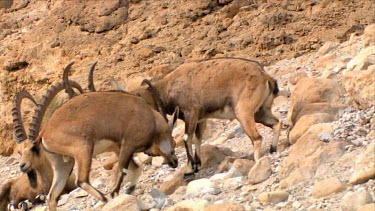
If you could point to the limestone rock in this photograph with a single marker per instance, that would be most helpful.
(227, 206)
(171, 185)
(307, 154)
(327, 187)
(365, 166)
(122, 202)
(305, 122)
(273, 197)
(261, 171)
(199, 186)
(157, 161)
(312, 90)
(367, 207)
(110, 161)
(240, 167)
(189, 205)
(327, 47)
(368, 35)
(354, 200)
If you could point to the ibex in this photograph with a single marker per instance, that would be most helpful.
(225, 88)
(96, 122)
(37, 181)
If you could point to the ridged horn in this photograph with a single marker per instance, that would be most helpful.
(19, 129)
(90, 79)
(68, 88)
(42, 107)
(157, 98)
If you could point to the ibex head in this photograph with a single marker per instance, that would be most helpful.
(30, 150)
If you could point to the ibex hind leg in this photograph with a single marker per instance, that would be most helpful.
(248, 103)
(83, 160)
(265, 116)
(198, 142)
(61, 172)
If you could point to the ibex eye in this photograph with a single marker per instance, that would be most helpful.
(34, 149)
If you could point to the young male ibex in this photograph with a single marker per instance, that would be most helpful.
(225, 88)
(96, 122)
(38, 178)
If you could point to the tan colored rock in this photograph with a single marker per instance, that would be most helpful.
(327, 187)
(171, 185)
(305, 122)
(313, 108)
(327, 61)
(227, 206)
(368, 35)
(296, 77)
(307, 154)
(242, 166)
(360, 85)
(364, 166)
(143, 158)
(362, 60)
(367, 207)
(327, 47)
(212, 156)
(110, 161)
(354, 200)
(157, 161)
(312, 90)
(273, 197)
(122, 202)
(200, 186)
(261, 171)
(189, 205)
(220, 140)
(227, 22)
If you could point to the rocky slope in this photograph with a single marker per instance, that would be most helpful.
(319, 51)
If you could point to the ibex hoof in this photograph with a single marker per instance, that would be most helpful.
(23, 206)
(189, 176)
(272, 149)
(130, 189)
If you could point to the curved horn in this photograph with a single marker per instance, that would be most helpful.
(157, 99)
(91, 86)
(68, 88)
(42, 107)
(19, 130)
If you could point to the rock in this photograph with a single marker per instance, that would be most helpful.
(212, 156)
(171, 185)
(220, 140)
(144, 53)
(240, 167)
(225, 165)
(312, 90)
(367, 207)
(157, 161)
(143, 158)
(364, 166)
(189, 205)
(261, 171)
(122, 202)
(307, 154)
(196, 187)
(327, 47)
(360, 86)
(227, 206)
(313, 108)
(273, 197)
(147, 202)
(305, 122)
(63, 199)
(368, 35)
(296, 77)
(110, 161)
(227, 22)
(327, 187)
(362, 60)
(354, 200)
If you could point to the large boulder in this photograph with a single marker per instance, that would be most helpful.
(368, 35)
(354, 200)
(312, 90)
(307, 154)
(326, 187)
(123, 202)
(261, 171)
(305, 122)
(364, 166)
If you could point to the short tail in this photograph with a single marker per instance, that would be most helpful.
(4, 196)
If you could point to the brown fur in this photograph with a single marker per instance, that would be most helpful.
(224, 88)
(78, 128)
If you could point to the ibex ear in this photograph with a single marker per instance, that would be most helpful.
(173, 121)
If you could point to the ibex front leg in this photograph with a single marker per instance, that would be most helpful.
(191, 119)
(125, 156)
